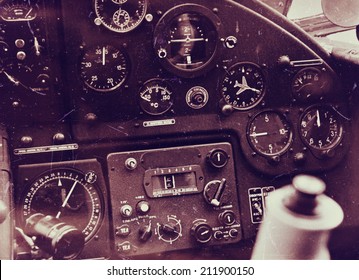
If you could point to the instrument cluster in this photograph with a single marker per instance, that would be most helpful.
(206, 95)
(131, 67)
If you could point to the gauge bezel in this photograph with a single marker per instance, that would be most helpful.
(263, 90)
(100, 18)
(338, 137)
(282, 117)
(324, 85)
(118, 86)
(168, 88)
(52, 174)
(162, 28)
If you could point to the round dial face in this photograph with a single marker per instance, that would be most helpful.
(186, 42)
(120, 15)
(310, 83)
(243, 86)
(23, 78)
(19, 10)
(104, 68)
(320, 128)
(68, 195)
(156, 97)
(269, 133)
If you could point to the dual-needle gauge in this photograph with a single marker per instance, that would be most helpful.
(269, 133)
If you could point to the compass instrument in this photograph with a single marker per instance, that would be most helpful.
(243, 86)
(69, 195)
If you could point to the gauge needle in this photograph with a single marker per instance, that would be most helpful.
(254, 134)
(66, 200)
(187, 39)
(103, 56)
(37, 46)
(11, 79)
(318, 119)
(144, 98)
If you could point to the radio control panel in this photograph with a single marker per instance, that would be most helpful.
(174, 198)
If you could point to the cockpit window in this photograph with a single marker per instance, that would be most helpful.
(304, 8)
(310, 16)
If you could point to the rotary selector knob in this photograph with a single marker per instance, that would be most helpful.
(227, 218)
(170, 231)
(202, 232)
(215, 192)
(145, 233)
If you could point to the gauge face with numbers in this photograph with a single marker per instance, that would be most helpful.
(269, 133)
(321, 128)
(243, 87)
(104, 68)
(156, 97)
(69, 195)
(120, 15)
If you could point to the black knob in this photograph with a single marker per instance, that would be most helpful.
(145, 233)
(202, 232)
(227, 218)
(169, 228)
(60, 240)
(214, 192)
(217, 158)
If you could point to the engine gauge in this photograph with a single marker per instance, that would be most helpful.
(269, 133)
(321, 128)
(310, 83)
(243, 87)
(185, 40)
(69, 195)
(19, 10)
(22, 77)
(120, 15)
(104, 68)
(156, 97)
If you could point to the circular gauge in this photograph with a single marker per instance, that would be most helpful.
(186, 39)
(320, 128)
(243, 87)
(310, 83)
(104, 68)
(120, 15)
(19, 10)
(22, 77)
(68, 195)
(269, 133)
(156, 97)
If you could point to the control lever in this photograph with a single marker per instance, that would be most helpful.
(298, 221)
(214, 192)
(55, 237)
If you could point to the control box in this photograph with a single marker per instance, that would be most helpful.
(174, 198)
